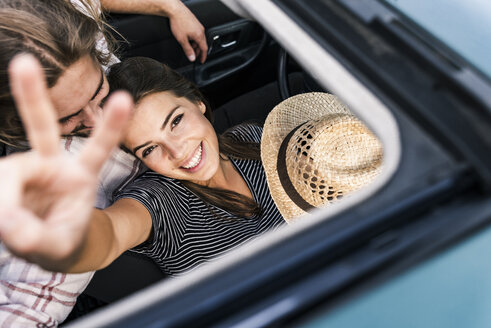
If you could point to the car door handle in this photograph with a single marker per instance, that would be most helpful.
(228, 44)
(221, 42)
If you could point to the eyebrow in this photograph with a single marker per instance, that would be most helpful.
(66, 118)
(99, 87)
(167, 119)
(140, 146)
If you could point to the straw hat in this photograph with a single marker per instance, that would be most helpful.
(314, 152)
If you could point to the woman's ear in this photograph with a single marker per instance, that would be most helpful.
(202, 107)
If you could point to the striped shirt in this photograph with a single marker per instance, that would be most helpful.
(185, 231)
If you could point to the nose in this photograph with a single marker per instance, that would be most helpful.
(91, 114)
(175, 148)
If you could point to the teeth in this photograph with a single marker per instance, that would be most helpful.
(195, 160)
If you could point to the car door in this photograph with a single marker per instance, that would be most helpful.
(234, 42)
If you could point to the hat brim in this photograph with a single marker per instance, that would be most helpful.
(281, 120)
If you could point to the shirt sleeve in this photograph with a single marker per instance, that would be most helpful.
(33, 297)
(247, 132)
(168, 203)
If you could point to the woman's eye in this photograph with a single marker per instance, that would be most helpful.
(147, 151)
(176, 120)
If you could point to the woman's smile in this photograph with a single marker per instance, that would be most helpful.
(196, 161)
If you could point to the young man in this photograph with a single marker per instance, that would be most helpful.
(72, 54)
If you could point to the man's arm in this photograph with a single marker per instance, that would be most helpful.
(185, 27)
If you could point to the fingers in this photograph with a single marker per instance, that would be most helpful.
(203, 46)
(31, 97)
(26, 236)
(187, 29)
(11, 176)
(20, 230)
(188, 49)
(197, 47)
(107, 133)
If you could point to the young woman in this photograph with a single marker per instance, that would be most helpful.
(206, 194)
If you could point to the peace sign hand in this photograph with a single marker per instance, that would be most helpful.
(47, 195)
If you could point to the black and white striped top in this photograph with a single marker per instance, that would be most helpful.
(185, 232)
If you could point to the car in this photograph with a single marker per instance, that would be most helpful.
(408, 250)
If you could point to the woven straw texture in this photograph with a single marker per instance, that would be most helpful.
(331, 155)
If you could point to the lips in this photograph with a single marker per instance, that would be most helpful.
(195, 160)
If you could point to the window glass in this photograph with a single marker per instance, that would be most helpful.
(451, 290)
(464, 26)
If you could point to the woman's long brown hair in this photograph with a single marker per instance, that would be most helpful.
(230, 201)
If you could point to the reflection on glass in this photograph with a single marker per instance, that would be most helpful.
(465, 26)
(452, 290)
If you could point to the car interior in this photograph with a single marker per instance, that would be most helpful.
(245, 75)
(438, 171)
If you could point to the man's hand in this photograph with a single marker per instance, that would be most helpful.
(47, 195)
(185, 27)
(189, 32)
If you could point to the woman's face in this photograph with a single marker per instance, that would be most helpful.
(173, 137)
